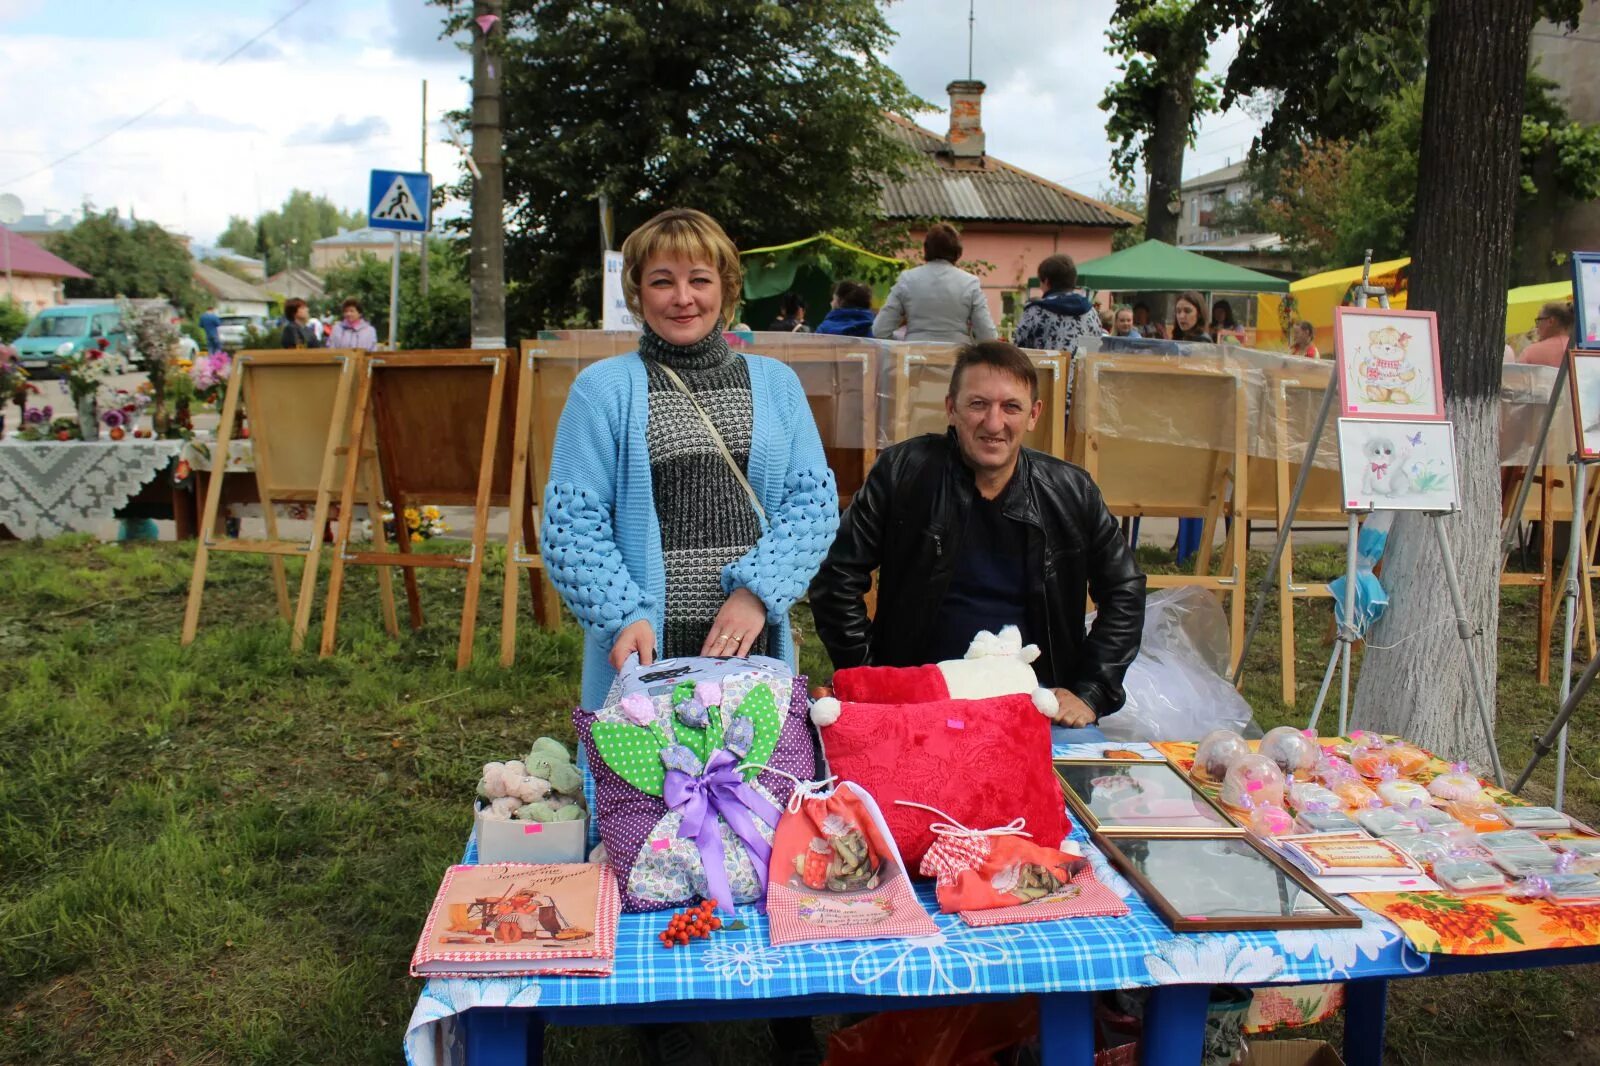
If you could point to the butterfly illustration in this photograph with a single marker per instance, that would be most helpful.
(1416, 439)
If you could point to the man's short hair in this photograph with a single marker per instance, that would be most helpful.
(1559, 313)
(942, 242)
(1059, 272)
(1001, 355)
(853, 294)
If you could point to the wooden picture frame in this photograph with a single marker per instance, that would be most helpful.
(1583, 379)
(1586, 300)
(1145, 781)
(1222, 867)
(1388, 364)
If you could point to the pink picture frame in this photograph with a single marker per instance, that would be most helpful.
(1387, 364)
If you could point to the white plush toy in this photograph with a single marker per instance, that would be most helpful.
(995, 665)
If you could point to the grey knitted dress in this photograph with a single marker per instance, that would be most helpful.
(706, 519)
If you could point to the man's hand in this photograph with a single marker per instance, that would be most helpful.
(640, 637)
(1073, 712)
(741, 620)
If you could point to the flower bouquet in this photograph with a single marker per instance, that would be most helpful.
(209, 376)
(85, 371)
(422, 523)
(154, 340)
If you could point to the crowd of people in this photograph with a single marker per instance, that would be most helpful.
(938, 301)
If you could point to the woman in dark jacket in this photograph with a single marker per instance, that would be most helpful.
(297, 332)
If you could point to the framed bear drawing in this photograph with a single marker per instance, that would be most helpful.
(1388, 364)
(1398, 466)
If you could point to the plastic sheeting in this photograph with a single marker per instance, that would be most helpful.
(867, 394)
(1176, 688)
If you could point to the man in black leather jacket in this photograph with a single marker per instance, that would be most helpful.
(972, 531)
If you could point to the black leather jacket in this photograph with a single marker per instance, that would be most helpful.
(906, 522)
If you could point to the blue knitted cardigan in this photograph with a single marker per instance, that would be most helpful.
(600, 538)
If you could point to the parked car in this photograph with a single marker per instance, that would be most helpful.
(60, 331)
(233, 328)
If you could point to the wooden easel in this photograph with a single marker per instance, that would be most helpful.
(524, 503)
(437, 420)
(299, 404)
(1151, 477)
(1294, 394)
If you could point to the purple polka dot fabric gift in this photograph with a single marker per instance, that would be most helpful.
(690, 774)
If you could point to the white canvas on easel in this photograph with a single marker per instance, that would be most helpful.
(1398, 466)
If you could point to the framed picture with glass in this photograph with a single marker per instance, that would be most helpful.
(1586, 299)
(1205, 884)
(1113, 796)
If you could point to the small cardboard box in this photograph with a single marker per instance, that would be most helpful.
(503, 840)
(1291, 1053)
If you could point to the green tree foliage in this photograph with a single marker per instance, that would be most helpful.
(441, 320)
(138, 261)
(13, 320)
(767, 114)
(1329, 70)
(1154, 110)
(283, 236)
(1333, 200)
(1132, 203)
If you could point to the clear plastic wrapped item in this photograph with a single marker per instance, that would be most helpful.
(1218, 750)
(1402, 793)
(1458, 784)
(1480, 815)
(1525, 862)
(1255, 778)
(1385, 822)
(1295, 751)
(1468, 876)
(1536, 818)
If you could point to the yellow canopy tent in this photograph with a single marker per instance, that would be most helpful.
(1315, 297)
(1524, 303)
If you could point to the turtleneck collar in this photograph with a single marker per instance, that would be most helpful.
(707, 353)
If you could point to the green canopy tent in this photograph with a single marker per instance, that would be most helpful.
(1156, 266)
(810, 267)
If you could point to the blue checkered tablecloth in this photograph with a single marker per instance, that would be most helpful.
(1078, 955)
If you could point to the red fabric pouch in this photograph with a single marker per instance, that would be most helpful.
(982, 761)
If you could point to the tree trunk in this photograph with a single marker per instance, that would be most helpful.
(1466, 203)
(488, 270)
(1163, 156)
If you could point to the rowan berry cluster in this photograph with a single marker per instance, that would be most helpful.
(697, 922)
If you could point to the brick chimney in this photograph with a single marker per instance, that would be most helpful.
(965, 139)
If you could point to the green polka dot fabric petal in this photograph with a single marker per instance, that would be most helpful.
(761, 708)
(634, 753)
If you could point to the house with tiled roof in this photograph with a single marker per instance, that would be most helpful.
(230, 295)
(32, 276)
(1009, 218)
(348, 247)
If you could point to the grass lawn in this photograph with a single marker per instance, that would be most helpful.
(224, 853)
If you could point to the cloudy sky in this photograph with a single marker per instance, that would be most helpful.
(335, 90)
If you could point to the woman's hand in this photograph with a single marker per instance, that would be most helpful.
(737, 625)
(640, 639)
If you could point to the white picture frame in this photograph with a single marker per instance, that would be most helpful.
(1584, 382)
(1389, 465)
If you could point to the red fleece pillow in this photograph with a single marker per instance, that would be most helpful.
(890, 684)
(982, 762)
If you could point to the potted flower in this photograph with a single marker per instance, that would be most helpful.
(154, 340)
(35, 422)
(13, 382)
(209, 375)
(85, 370)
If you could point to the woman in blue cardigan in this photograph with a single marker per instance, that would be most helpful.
(664, 538)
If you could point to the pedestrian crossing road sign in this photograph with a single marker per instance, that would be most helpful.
(399, 200)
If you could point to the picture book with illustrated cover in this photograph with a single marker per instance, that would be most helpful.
(515, 919)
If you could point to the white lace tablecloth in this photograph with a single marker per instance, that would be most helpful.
(241, 454)
(52, 487)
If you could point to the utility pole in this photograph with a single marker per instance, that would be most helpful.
(422, 280)
(488, 198)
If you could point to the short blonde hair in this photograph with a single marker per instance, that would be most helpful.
(682, 232)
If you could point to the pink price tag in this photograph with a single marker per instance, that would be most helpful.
(660, 845)
(531, 828)
(955, 723)
(1196, 918)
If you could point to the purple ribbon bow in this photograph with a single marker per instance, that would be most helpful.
(721, 791)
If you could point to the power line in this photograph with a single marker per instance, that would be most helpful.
(125, 123)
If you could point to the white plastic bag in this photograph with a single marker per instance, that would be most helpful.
(1177, 688)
